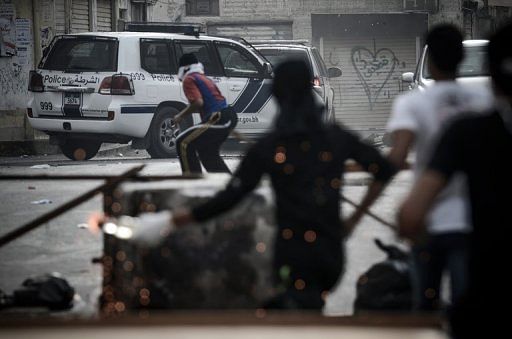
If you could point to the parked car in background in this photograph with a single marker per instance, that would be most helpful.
(276, 51)
(473, 69)
(91, 88)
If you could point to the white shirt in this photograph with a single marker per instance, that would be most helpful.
(425, 113)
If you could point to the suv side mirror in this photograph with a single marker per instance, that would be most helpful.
(267, 70)
(334, 72)
(408, 77)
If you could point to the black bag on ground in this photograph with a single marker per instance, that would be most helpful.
(386, 285)
(48, 290)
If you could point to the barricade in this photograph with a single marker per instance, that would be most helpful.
(224, 263)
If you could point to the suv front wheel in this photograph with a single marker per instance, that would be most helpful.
(162, 135)
(80, 149)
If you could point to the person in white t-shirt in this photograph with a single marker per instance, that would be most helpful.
(416, 121)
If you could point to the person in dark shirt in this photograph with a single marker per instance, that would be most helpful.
(305, 160)
(481, 147)
(202, 141)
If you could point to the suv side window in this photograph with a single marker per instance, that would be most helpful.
(203, 53)
(155, 57)
(236, 62)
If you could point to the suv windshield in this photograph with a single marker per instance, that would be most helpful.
(82, 54)
(474, 63)
(276, 55)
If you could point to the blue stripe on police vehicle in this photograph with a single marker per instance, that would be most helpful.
(132, 109)
(263, 96)
(245, 98)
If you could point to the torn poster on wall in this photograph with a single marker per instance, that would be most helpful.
(24, 40)
(7, 30)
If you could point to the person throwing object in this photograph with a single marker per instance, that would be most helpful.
(201, 143)
(305, 160)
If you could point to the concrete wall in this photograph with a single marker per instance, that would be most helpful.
(14, 70)
(297, 10)
(449, 11)
(34, 23)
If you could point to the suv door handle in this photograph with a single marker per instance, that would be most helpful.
(235, 88)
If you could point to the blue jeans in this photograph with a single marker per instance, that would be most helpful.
(442, 252)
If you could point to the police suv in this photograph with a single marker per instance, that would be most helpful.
(91, 88)
(277, 51)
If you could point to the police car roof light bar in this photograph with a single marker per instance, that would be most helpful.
(164, 27)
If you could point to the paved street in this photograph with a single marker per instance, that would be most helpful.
(64, 245)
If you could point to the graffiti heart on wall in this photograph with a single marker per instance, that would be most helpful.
(374, 68)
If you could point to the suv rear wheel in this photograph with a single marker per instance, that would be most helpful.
(162, 136)
(80, 149)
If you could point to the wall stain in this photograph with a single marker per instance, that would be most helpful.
(13, 85)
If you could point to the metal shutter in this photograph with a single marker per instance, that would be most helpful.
(104, 15)
(253, 31)
(79, 16)
(371, 79)
(60, 17)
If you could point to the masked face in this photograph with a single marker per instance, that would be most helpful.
(182, 71)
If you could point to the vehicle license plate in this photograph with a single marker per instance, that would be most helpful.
(72, 99)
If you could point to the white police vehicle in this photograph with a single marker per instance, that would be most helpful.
(91, 88)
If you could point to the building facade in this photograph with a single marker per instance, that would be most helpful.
(27, 27)
(372, 41)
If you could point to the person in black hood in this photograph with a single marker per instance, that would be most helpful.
(305, 160)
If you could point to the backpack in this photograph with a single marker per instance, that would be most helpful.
(48, 290)
(386, 285)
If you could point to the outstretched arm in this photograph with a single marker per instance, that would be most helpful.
(402, 142)
(373, 192)
(194, 96)
(412, 213)
(382, 171)
(244, 180)
(194, 107)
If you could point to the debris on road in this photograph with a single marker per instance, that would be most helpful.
(41, 202)
(45, 166)
(83, 225)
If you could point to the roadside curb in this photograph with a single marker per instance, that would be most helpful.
(43, 147)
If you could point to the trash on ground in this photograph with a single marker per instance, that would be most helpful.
(48, 290)
(45, 166)
(41, 202)
(120, 155)
(83, 225)
(31, 187)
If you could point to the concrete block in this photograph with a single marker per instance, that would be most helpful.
(224, 263)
